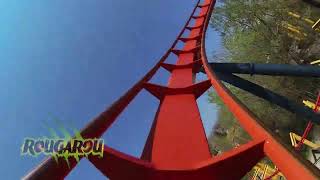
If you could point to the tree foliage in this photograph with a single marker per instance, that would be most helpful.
(257, 31)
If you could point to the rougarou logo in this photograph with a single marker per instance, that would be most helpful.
(65, 147)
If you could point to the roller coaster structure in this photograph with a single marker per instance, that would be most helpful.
(177, 147)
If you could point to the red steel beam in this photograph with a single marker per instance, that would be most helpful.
(178, 122)
(290, 163)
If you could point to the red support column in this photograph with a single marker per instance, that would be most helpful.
(178, 139)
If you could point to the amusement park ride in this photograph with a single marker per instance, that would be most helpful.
(170, 154)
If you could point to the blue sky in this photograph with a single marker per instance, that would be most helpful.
(71, 59)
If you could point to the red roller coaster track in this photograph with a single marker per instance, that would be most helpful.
(177, 147)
